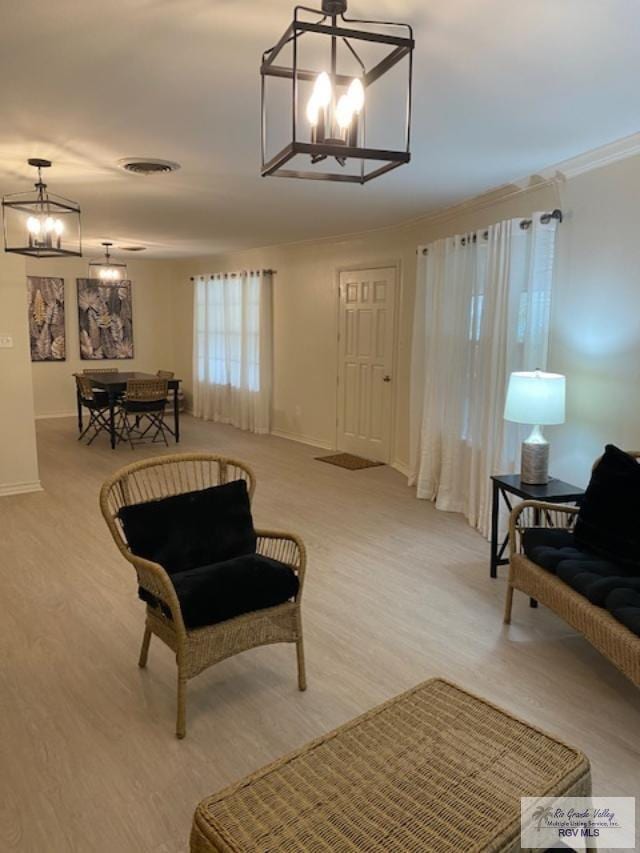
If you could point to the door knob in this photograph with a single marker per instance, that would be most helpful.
(386, 378)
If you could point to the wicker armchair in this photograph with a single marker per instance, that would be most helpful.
(198, 649)
(604, 632)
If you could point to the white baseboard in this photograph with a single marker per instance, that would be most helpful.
(57, 415)
(402, 467)
(303, 439)
(7, 489)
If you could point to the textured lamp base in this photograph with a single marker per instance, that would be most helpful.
(534, 465)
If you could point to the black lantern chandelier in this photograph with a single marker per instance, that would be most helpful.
(41, 224)
(328, 105)
(107, 271)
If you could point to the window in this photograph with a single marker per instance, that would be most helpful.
(228, 331)
(233, 349)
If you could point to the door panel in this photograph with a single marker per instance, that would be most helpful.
(366, 345)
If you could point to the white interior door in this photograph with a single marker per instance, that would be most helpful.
(365, 367)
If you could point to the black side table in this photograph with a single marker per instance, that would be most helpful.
(555, 491)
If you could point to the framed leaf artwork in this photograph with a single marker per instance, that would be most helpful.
(47, 337)
(105, 318)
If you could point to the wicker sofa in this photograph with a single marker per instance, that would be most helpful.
(605, 632)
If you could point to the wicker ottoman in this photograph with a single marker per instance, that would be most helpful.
(435, 769)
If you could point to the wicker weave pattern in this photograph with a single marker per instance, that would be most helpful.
(208, 646)
(610, 637)
(146, 390)
(153, 479)
(435, 769)
(85, 387)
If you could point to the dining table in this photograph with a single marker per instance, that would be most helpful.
(115, 384)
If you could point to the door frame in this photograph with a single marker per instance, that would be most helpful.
(395, 264)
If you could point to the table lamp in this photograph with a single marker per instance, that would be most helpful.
(535, 398)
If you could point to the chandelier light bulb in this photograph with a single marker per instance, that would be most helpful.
(33, 225)
(313, 110)
(355, 93)
(49, 224)
(322, 91)
(58, 227)
(344, 112)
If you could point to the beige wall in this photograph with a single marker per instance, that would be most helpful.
(18, 458)
(595, 336)
(53, 387)
(595, 322)
(306, 312)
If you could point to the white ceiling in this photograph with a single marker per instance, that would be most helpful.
(502, 89)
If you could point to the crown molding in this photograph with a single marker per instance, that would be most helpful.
(553, 175)
(621, 149)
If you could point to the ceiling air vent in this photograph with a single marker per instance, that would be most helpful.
(148, 165)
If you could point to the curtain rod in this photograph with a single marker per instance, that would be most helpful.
(233, 274)
(545, 218)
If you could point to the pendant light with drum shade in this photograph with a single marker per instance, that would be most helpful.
(106, 270)
(41, 224)
(334, 63)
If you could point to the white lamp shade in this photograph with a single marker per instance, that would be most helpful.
(535, 398)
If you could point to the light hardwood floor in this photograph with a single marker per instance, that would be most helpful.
(396, 592)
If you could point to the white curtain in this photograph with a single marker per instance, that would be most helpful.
(482, 311)
(233, 340)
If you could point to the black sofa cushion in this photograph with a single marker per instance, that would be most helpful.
(624, 605)
(607, 523)
(553, 537)
(212, 594)
(547, 546)
(183, 532)
(603, 582)
(594, 585)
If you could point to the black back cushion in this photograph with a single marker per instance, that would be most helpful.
(607, 523)
(193, 529)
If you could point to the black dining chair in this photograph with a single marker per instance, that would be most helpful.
(97, 404)
(144, 401)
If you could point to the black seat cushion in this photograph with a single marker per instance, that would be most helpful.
(544, 545)
(603, 582)
(212, 594)
(595, 580)
(624, 605)
(194, 529)
(141, 406)
(607, 523)
(548, 546)
(100, 401)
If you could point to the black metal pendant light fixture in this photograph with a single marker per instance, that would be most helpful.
(327, 107)
(41, 224)
(106, 270)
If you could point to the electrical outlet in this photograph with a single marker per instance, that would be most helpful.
(6, 341)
